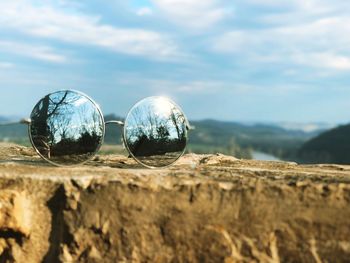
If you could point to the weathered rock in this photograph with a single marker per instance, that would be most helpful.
(15, 213)
(210, 208)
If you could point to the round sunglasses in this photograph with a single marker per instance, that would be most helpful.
(67, 128)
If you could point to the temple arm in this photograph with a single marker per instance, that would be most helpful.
(190, 127)
(22, 121)
(25, 121)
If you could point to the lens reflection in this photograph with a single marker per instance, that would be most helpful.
(67, 128)
(155, 132)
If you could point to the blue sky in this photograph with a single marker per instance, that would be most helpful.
(240, 60)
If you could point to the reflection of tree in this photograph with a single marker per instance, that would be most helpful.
(64, 124)
(154, 134)
(177, 118)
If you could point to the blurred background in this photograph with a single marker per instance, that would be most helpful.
(262, 79)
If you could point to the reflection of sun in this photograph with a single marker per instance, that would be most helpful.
(162, 106)
(80, 101)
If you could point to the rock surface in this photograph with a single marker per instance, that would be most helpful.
(206, 208)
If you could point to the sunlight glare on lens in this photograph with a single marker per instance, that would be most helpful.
(80, 101)
(162, 106)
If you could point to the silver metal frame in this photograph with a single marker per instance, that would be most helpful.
(188, 127)
(97, 149)
(119, 123)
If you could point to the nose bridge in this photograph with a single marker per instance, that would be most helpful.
(119, 123)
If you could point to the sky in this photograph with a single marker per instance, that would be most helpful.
(237, 60)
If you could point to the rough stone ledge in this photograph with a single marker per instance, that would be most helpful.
(206, 208)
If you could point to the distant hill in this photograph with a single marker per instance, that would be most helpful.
(332, 146)
(3, 119)
(17, 133)
(266, 138)
(307, 127)
(210, 136)
(312, 127)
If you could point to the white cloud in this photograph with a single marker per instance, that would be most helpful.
(309, 6)
(144, 11)
(6, 65)
(324, 60)
(172, 86)
(37, 52)
(195, 14)
(200, 87)
(323, 43)
(329, 32)
(47, 22)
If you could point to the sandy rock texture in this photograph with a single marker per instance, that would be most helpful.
(206, 208)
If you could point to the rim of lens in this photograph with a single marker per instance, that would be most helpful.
(103, 129)
(126, 124)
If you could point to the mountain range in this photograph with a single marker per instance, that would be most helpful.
(211, 136)
(305, 127)
(332, 146)
(267, 138)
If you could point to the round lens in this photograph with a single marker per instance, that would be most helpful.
(67, 128)
(155, 132)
